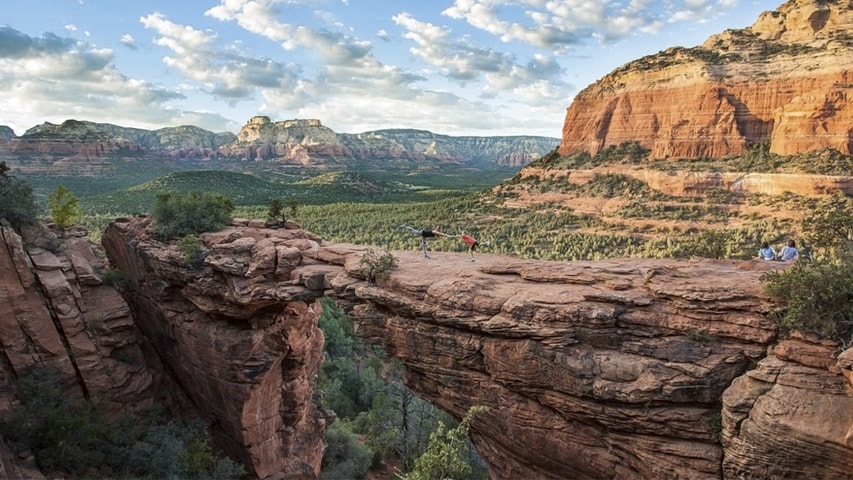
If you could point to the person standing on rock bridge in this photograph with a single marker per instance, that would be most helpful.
(425, 234)
(471, 242)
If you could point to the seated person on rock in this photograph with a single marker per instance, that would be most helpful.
(789, 252)
(766, 252)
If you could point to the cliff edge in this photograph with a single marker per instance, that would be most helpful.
(626, 369)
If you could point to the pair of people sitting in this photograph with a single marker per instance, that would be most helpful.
(788, 253)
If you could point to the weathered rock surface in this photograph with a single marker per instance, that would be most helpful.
(784, 80)
(56, 311)
(613, 369)
(687, 183)
(239, 335)
(627, 369)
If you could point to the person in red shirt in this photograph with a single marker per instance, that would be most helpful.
(471, 242)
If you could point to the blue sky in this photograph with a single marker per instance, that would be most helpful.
(463, 67)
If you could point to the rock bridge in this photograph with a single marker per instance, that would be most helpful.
(630, 369)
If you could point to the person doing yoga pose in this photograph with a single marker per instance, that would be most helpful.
(425, 234)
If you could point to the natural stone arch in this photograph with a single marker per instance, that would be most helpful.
(600, 369)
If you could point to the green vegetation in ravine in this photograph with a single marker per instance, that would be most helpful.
(64, 208)
(380, 422)
(73, 436)
(448, 451)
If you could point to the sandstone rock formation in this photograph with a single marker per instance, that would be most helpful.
(784, 80)
(56, 311)
(309, 143)
(628, 369)
(81, 143)
(687, 183)
(239, 336)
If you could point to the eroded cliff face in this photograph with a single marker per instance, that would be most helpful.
(238, 335)
(629, 369)
(784, 80)
(56, 311)
(614, 369)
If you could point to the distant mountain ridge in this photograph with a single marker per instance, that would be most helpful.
(300, 142)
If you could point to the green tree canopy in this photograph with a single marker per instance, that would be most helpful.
(830, 226)
(447, 453)
(194, 213)
(17, 203)
(64, 207)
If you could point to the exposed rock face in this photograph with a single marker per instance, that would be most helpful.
(239, 335)
(56, 311)
(294, 142)
(613, 369)
(78, 141)
(796, 401)
(684, 183)
(6, 133)
(629, 369)
(784, 80)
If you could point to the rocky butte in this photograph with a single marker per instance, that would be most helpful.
(629, 369)
(784, 80)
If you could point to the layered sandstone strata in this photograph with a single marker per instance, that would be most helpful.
(238, 336)
(784, 80)
(630, 369)
(57, 311)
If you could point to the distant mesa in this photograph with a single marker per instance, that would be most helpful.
(297, 122)
(290, 143)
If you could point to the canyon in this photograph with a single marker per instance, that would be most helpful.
(628, 368)
(623, 368)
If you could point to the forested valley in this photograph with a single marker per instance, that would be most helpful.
(382, 429)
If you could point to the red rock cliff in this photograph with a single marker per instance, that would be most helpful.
(56, 311)
(238, 336)
(629, 369)
(785, 79)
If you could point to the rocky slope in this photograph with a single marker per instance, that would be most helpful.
(76, 146)
(687, 183)
(627, 369)
(784, 80)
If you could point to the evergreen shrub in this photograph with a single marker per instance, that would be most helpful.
(178, 215)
